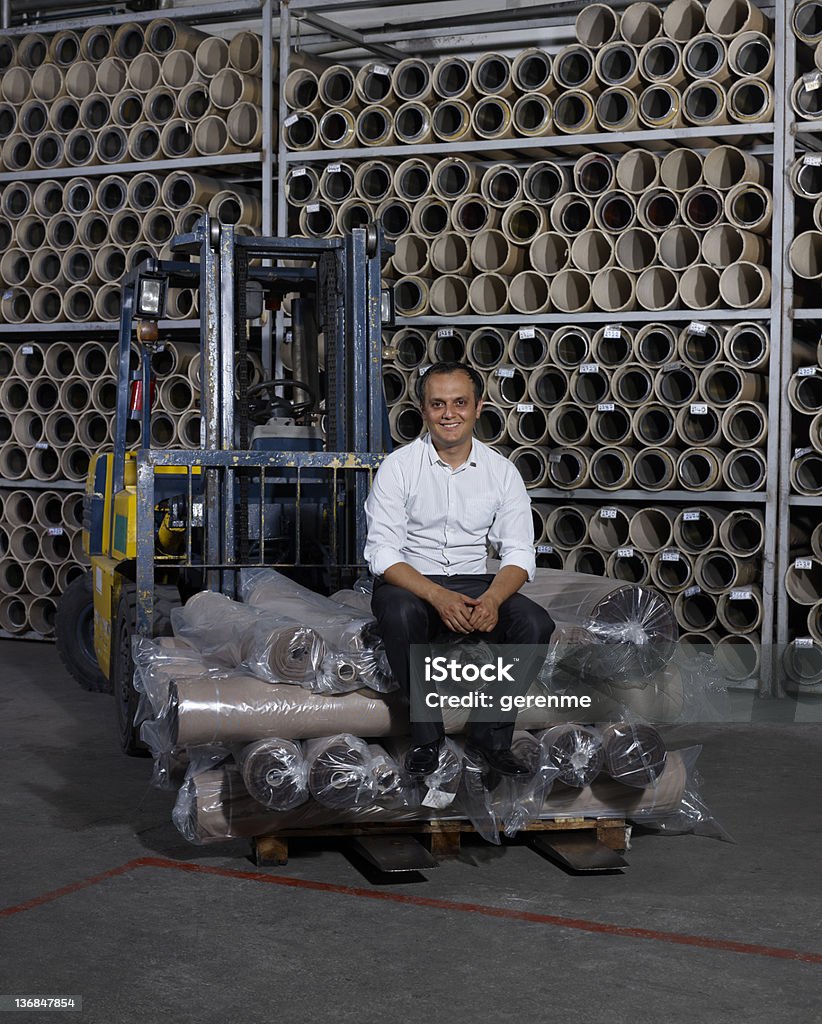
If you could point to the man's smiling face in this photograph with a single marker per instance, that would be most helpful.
(450, 409)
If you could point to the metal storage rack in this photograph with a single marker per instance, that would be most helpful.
(259, 14)
(482, 29)
(802, 140)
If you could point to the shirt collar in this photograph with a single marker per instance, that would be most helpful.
(433, 458)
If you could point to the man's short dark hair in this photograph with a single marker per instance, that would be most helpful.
(450, 367)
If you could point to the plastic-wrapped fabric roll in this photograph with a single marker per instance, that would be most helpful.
(340, 772)
(274, 773)
(213, 805)
(393, 789)
(241, 708)
(157, 663)
(635, 627)
(278, 650)
(439, 789)
(341, 629)
(287, 653)
(635, 753)
(576, 751)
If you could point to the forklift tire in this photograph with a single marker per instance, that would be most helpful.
(74, 635)
(122, 665)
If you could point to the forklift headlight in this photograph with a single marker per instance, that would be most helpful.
(151, 297)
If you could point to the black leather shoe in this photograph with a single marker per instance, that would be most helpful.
(503, 762)
(423, 760)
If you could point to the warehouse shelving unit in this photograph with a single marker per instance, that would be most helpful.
(803, 138)
(483, 30)
(256, 166)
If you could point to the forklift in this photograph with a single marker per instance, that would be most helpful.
(284, 465)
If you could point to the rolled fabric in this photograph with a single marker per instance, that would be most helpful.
(392, 788)
(286, 653)
(214, 805)
(635, 627)
(274, 773)
(241, 708)
(340, 772)
(439, 789)
(339, 627)
(275, 649)
(635, 753)
(575, 750)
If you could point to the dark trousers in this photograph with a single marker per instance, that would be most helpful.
(404, 619)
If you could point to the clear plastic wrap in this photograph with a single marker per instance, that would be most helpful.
(633, 628)
(277, 649)
(392, 787)
(275, 773)
(635, 753)
(576, 752)
(343, 628)
(341, 773)
(213, 804)
(519, 801)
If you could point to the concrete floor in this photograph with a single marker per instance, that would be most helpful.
(200, 936)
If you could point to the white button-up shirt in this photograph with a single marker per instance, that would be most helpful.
(438, 519)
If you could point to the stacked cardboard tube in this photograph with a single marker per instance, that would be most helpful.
(694, 66)
(57, 404)
(153, 92)
(40, 554)
(69, 243)
(603, 233)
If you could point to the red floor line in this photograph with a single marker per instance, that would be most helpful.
(55, 894)
(594, 927)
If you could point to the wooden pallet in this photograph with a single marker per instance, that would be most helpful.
(443, 837)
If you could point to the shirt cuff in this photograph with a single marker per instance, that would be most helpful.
(383, 558)
(525, 560)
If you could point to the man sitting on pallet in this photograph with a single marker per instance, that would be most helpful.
(434, 506)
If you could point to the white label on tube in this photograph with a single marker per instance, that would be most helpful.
(741, 595)
(605, 407)
(699, 409)
(291, 120)
(445, 332)
(625, 552)
(803, 563)
(505, 371)
(799, 452)
(607, 513)
(525, 407)
(298, 172)
(42, 445)
(812, 80)
(527, 332)
(423, 369)
(614, 331)
(696, 327)
(313, 207)
(55, 531)
(692, 591)
(813, 160)
(27, 350)
(671, 555)
(806, 371)
(334, 168)
(545, 549)
(691, 517)
(381, 69)
(803, 641)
